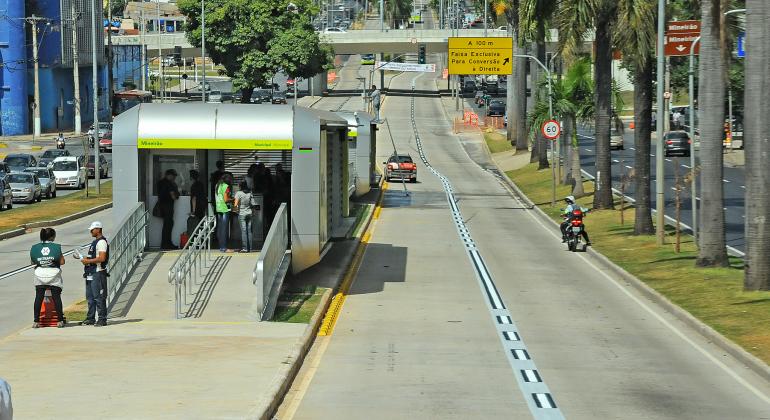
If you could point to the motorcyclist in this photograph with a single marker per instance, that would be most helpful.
(60, 141)
(568, 217)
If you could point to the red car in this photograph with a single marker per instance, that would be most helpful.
(400, 167)
(105, 142)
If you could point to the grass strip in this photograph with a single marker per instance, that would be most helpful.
(55, 208)
(76, 312)
(497, 142)
(298, 305)
(713, 295)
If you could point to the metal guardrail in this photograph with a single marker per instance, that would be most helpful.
(189, 266)
(271, 261)
(126, 248)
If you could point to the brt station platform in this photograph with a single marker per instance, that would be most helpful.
(182, 336)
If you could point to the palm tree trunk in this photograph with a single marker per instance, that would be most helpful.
(642, 134)
(534, 76)
(520, 103)
(757, 111)
(577, 175)
(603, 97)
(712, 116)
(542, 142)
(513, 93)
(566, 136)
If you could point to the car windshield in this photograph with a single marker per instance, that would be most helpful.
(41, 173)
(678, 136)
(19, 178)
(65, 165)
(53, 153)
(17, 161)
(497, 103)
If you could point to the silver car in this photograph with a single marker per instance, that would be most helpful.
(25, 187)
(47, 180)
(6, 195)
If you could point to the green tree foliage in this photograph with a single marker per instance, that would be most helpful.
(253, 40)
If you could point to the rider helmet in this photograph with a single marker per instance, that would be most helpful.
(570, 199)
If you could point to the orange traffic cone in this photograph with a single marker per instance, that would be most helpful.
(631, 125)
(48, 314)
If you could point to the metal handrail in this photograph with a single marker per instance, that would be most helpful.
(271, 258)
(188, 267)
(126, 248)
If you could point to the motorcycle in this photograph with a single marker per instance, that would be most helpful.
(60, 143)
(575, 232)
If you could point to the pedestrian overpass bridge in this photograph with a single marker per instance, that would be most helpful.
(352, 42)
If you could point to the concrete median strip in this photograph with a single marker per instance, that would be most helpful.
(623, 277)
(22, 229)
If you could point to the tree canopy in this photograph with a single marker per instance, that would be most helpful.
(253, 40)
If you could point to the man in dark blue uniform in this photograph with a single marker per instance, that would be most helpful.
(95, 272)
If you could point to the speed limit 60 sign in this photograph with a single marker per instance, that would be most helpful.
(551, 129)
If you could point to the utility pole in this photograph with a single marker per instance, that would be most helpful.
(144, 48)
(75, 71)
(36, 110)
(382, 15)
(160, 56)
(95, 92)
(660, 204)
(203, 50)
(110, 88)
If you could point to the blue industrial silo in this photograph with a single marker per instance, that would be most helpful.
(14, 111)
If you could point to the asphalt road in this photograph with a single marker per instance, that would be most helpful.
(17, 291)
(459, 277)
(75, 151)
(623, 162)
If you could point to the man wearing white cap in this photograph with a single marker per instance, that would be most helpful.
(95, 272)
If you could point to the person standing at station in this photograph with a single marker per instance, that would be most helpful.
(47, 258)
(223, 204)
(95, 272)
(375, 98)
(168, 193)
(214, 179)
(198, 201)
(244, 204)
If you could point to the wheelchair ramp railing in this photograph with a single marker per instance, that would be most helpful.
(272, 265)
(126, 249)
(192, 264)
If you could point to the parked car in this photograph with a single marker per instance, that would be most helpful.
(279, 98)
(18, 162)
(69, 172)
(46, 159)
(104, 167)
(400, 167)
(334, 31)
(25, 187)
(4, 170)
(215, 97)
(616, 139)
(105, 143)
(496, 108)
(261, 96)
(367, 58)
(6, 195)
(47, 180)
(677, 143)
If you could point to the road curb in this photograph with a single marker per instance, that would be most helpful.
(749, 360)
(285, 377)
(22, 229)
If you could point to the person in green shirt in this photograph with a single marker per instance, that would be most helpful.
(222, 204)
(47, 257)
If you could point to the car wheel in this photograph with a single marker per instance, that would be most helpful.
(39, 198)
(622, 148)
(53, 194)
(414, 180)
(9, 206)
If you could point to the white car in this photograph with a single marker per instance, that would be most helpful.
(334, 31)
(69, 171)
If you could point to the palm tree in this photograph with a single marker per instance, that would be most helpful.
(757, 110)
(711, 101)
(635, 36)
(575, 19)
(572, 102)
(534, 15)
(517, 83)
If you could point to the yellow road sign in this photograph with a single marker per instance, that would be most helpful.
(480, 55)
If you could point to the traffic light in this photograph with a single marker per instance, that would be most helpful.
(421, 54)
(177, 55)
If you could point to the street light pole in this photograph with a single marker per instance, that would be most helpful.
(693, 187)
(95, 92)
(203, 50)
(554, 164)
(660, 204)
